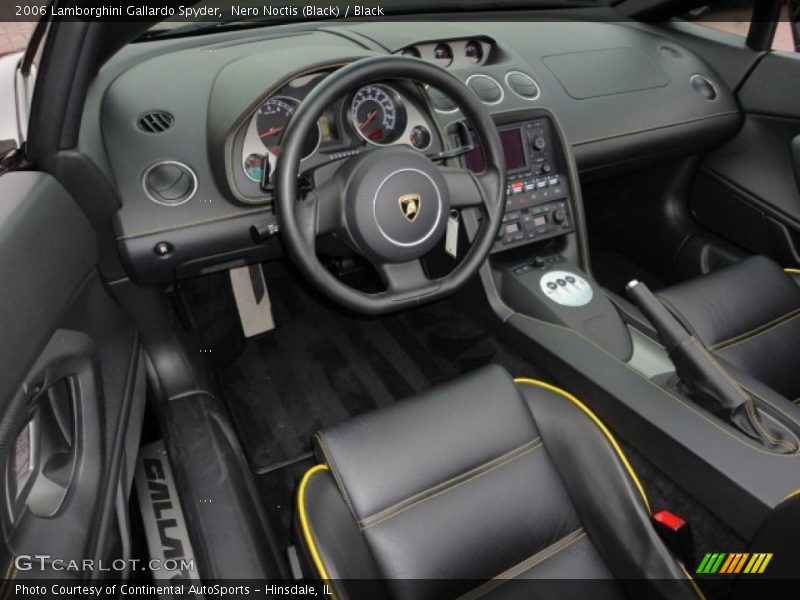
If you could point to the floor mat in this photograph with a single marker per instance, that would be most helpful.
(323, 365)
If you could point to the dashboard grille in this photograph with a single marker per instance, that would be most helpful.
(156, 122)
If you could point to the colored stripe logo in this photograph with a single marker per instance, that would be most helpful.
(734, 563)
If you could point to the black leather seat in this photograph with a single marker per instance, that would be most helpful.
(748, 315)
(483, 487)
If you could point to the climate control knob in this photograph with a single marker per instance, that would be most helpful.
(560, 215)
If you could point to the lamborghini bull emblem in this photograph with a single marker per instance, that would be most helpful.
(410, 205)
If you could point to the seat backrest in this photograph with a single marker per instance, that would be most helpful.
(464, 493)
(749, 315)
(460, 486)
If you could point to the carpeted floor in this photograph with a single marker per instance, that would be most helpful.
(322, 365)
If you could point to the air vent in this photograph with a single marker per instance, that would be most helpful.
(169, 183)
(156, 122)
(704, 87)
(485, 88)
(522, 85)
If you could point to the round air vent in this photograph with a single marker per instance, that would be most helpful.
(522, 85)
(169, 183)
(156, 122)
(485, 88)
(703, 86)
(441, 101)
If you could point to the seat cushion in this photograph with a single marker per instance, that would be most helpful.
(474, 483)
(749, 315)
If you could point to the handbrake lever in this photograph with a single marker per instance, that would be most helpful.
(697, 368)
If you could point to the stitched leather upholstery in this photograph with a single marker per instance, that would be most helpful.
(478, 481)
(748, 314)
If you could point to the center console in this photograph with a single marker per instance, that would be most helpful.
(537, 263)
(538, 201)
(538, 281)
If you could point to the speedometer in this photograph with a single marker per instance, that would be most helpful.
(271, 121)
(378, 114)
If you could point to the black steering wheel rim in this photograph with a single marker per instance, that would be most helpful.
(299, 234)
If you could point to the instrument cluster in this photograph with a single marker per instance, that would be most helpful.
(379, 114)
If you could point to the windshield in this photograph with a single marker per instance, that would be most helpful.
(214, 14)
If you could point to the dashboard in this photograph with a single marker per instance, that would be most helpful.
(189, 130)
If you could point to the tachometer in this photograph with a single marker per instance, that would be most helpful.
(378, 114)
(271, 121)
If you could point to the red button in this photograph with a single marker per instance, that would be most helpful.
(671, 520)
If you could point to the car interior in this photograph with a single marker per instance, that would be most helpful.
(472, 299)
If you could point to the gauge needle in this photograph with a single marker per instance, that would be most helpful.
(270, 132)
(370, 117)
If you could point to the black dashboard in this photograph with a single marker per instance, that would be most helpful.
(189, 129)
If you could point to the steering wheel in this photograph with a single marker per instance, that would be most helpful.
(390, 204)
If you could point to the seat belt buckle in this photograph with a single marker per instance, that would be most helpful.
(676, 534)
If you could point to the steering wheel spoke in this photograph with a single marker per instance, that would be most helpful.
(468, 189)
(402, 278)
(319, 213)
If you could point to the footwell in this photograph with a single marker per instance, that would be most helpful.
(323, 365)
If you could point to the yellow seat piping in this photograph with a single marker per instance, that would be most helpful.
(304, 527)
(623, 459)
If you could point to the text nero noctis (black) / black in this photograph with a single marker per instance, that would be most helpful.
(308, 11)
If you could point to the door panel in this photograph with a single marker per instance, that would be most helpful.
(51, 429)
(70, 376)
(47, 250)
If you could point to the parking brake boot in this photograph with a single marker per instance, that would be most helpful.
(704, 379)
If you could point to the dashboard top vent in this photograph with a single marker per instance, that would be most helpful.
(486, 88)
(523, 85)
(156, 121)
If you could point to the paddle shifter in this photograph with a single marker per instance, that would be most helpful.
(702, 377)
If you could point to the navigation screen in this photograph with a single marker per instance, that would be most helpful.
(512, 148)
